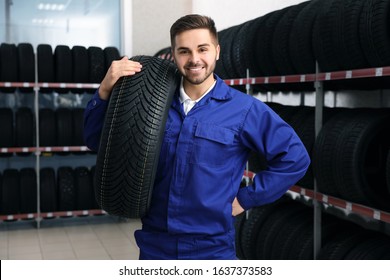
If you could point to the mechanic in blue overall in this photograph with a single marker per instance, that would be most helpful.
(210, 131)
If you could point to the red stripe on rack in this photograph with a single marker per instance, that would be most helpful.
(362, 210)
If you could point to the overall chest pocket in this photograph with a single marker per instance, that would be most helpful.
(213, 145)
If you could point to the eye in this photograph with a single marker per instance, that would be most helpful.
(183, 51)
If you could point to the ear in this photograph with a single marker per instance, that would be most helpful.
(218, 51)
(173, 55)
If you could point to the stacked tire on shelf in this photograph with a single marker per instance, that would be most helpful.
(67, 188)
(73, 65)
(65, 65)
(339, 34)
(18, 128)
(351, 160)
(350, 157)
(59, 127)
(283, 230)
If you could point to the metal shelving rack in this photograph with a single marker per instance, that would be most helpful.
(38, 150)
(318, 199)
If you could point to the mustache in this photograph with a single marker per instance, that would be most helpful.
(193, 65)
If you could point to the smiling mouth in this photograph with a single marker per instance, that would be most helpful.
(195, 69)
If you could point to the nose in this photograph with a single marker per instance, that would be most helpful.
(194, 58)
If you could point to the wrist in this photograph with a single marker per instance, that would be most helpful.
(103, 94)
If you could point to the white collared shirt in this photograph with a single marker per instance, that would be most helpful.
(186, 101)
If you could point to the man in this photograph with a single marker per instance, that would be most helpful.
(210, 131)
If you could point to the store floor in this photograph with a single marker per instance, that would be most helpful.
(76, 238)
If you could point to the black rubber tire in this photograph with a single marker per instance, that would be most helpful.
(323, 160)
(66, 189)
(302, 247)
(239, 222)
(249, 232)
(350, 155)
(252, 226)
(78, 127)
(361, 176)
(28, 190)
(83, 187)
(46, 70)
(340, 245)
(281, 41)
(271, 242)
(24, 127)
(7, 127)
(47, 128)
(350, 54)
(110, 54)
(248, 50)
(138, 109)
(165, 53)
(48, 190)
(80, 64)
(11, 192)
(374, 32)
(269, 228)
(64, 126)
(290, 232)
(220, 69)
(323, 29)
(95, 204)
(263, 46)
(1, 193)
(26, 60)
(9, 65)
(241, 48)
(225, 56)
(374, 247)
(301, 48)
(388, 171)
(63, 66)
(96, 64)
(80, 67)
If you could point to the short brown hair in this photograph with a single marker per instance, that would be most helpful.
(190, 22)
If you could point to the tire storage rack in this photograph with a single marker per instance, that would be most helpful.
(368, 216)
(348, 181)
(46, 132)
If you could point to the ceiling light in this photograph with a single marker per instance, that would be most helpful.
(42, 21)
(50, 7)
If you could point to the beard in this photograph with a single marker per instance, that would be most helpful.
(197, 79)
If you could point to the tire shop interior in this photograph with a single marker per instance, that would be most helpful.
(322, 65)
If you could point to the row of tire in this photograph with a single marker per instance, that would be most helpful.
(66, 189)
(338, 34)
(283, 230)
(65, 65)
(59, 127)
(350, 158)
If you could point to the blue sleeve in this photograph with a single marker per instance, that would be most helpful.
(93, 121)
(287, 159)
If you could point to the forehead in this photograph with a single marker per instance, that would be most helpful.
(193, 38)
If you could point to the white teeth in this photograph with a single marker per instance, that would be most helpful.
(194, 69)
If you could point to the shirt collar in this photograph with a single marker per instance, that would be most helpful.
(183, 95)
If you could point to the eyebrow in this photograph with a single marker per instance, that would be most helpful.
(199, 46)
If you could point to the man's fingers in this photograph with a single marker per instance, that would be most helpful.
(125, 67)
(118, 68)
